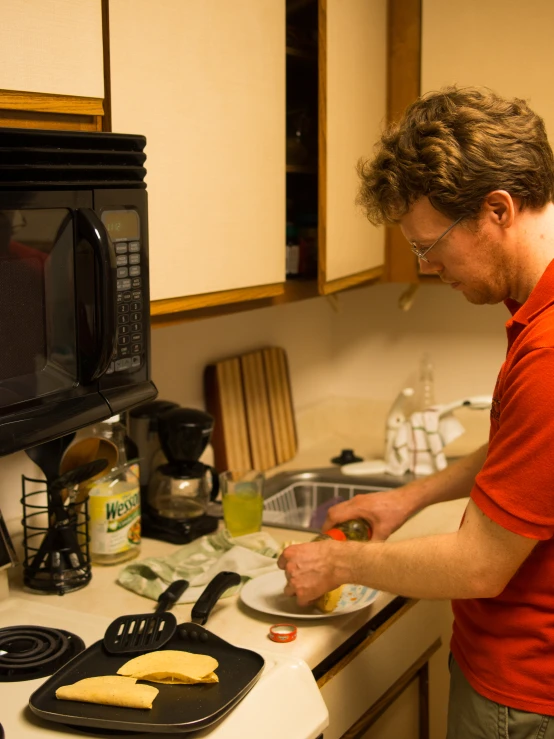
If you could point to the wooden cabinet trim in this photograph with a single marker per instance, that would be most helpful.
(52, 121)
(322, 145)
(294, 291)
(404, 85)
(107, 120)
(42, 110)
(39, 102)
(177, 305)
(343, 283)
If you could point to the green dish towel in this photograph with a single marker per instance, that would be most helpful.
(198, 562)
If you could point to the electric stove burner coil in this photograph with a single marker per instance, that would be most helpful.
(29, 652)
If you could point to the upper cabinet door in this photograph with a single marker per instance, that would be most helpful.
(353, 76)
(204, 80)
(506, 46)
(52, 47)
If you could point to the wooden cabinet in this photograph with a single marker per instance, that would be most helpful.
(208, 85)
(346, 94)
(205, 83)
(51, 64)
(352, 102)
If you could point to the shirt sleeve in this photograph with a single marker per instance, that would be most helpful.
(515, 487)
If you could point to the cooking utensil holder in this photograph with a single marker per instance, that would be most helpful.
(46, 567)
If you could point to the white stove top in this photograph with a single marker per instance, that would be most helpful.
(285, 702)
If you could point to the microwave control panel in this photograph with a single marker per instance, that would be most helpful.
(123, 226)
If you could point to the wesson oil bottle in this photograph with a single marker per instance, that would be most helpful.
(114, 510)
(355, 530)
(114, 503)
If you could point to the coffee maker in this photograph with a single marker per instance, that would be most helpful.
(143, 430)
(181, 488)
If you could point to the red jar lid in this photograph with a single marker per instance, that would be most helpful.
(336, 534)
(282, 632)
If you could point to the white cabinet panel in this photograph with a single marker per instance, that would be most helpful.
(204, 80)
(502, 44)
(356, 110)
(52, 46)
(350, 692)
(401, 720)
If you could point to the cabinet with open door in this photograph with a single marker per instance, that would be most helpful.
(336, 106)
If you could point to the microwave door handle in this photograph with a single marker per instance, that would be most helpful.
(93, 231)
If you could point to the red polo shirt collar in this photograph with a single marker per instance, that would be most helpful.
(542, 296)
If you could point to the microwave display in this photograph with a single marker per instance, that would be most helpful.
(121, 224)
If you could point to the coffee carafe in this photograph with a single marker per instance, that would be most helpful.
(180, 490)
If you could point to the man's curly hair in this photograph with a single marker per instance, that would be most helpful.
(454, 147)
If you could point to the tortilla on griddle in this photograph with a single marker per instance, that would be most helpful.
(172, 666)
(109, 690)
(210, 678)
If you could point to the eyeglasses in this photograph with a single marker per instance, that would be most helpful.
(421, 252)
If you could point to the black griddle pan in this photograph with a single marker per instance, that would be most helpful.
(177, 708)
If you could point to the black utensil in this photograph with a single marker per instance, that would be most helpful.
(48, 456)
(145, 632)
(213, 592)
(61, 535)
(64, 530)
(78, 475)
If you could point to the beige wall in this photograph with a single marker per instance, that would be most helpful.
(367, 349)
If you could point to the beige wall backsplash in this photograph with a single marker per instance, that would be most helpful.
(368, 348)
(350, 363)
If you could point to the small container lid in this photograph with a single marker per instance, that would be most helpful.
(336, 534)
(283, 632)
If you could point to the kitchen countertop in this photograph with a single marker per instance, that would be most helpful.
(231, 619)
(317, 640)
(238, 624)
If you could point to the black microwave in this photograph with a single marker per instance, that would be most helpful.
(74, 293)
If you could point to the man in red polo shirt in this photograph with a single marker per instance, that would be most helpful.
(469, 177)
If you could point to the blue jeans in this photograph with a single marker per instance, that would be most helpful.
(472, 716)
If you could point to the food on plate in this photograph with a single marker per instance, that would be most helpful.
(109, 690)
(329, 601)
(172, 666)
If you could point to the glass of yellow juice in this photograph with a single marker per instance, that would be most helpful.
(242, 498)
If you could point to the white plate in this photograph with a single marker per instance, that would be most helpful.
(265, 594)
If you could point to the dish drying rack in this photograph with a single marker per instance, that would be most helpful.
(303, 505)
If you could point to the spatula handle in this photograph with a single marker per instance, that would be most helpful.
(171, 595)
(213, 592)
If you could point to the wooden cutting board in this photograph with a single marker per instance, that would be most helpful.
(251, 400)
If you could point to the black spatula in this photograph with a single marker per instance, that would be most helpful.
(145, 631)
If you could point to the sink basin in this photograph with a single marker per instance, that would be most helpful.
(292, 498)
